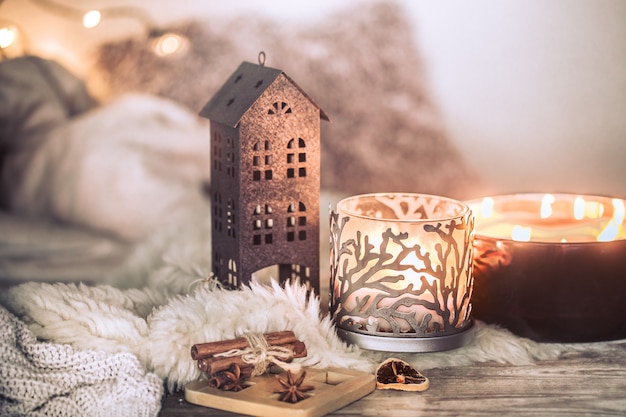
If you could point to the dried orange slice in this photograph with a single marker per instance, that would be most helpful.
(400, 375)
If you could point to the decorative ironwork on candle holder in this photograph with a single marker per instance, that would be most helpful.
(401, 272)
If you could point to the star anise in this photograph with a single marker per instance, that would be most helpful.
(231, 380)
(292, 389)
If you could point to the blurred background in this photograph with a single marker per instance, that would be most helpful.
(533, 94)
(463, 98)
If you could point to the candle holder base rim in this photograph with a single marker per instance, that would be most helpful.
(409, 344)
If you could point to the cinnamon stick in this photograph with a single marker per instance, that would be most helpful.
(215, 364)
(204, 350)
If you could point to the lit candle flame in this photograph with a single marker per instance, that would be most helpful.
(546, 205)
(486, 207)
(594, 209)
(612, 229)
(579, 208)
(521, 233)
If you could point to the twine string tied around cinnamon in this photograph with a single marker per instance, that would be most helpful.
(261, 354)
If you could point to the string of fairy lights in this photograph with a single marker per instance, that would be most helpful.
(163, 43)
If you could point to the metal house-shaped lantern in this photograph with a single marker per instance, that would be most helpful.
(265, 177)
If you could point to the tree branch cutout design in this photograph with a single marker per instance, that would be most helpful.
(397, 285)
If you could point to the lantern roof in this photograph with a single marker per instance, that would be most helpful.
(241, 91)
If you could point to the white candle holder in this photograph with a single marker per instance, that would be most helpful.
(401, 272)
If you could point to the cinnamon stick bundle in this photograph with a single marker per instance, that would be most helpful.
(214, 364)
(205, 350)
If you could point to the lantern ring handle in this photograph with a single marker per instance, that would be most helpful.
(261, 58)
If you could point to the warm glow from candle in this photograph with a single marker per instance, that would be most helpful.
(91, 19)
(7, 37)
(555, 218)
(546, 206)
(521, 233)
(401, 264)
(594, 209)
(579, 208)
(487, 207)
(612, 229)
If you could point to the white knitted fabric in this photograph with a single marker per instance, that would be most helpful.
(46, 379)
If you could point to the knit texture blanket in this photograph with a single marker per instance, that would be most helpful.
(47, 379)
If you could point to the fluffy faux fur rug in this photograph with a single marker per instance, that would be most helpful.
(161, 330)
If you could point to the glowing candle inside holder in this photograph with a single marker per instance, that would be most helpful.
(401, 272)
(551, 267)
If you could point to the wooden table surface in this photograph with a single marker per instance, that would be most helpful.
(579, 384)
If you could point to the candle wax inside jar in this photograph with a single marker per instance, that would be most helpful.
(555, 218)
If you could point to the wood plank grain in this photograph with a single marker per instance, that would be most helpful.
(580, 384)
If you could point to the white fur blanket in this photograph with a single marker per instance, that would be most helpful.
(160, 331)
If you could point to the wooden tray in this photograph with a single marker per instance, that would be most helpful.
(334, 388)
